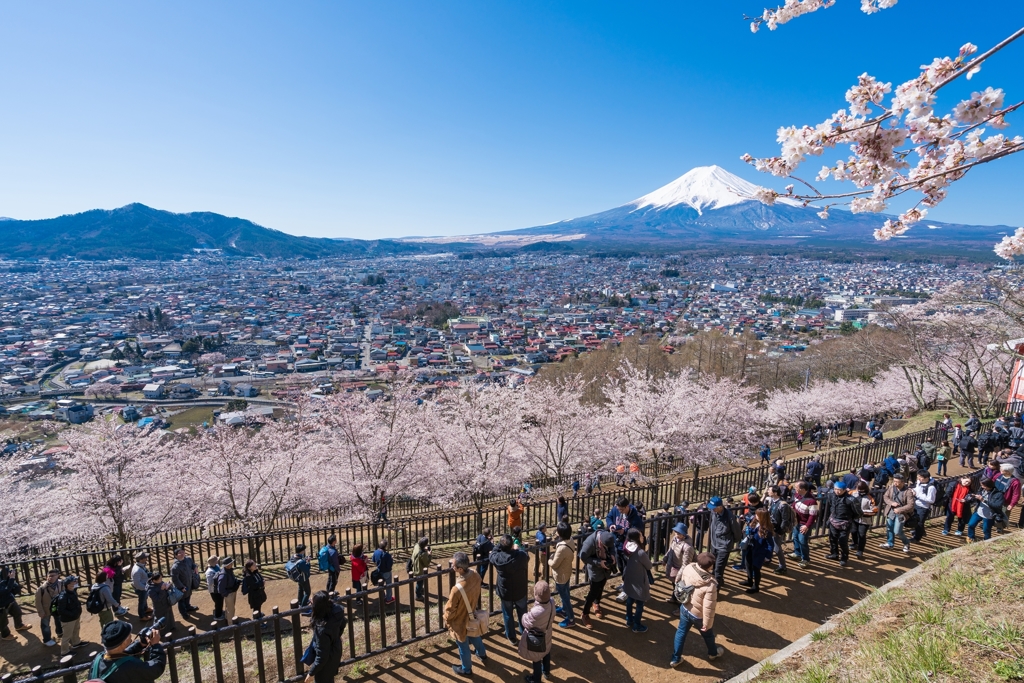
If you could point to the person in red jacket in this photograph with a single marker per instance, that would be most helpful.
(358, 568)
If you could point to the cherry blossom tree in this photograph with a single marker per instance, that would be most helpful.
(212, 358)
(378, 444)
(118, 481)
(901, 146)
(643, 407)
(103, 391)
(561, 435)
(24, 493)
(475, 447)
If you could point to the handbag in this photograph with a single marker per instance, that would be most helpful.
(479, 620)
(195, 579)
(536, 639)
(174, 595)
(309, 656)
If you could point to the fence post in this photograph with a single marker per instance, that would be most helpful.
(257, 639)
(297, 637)
(277, 643)
(65, 663)
(193, 648)
(238, 649)
(217, 663)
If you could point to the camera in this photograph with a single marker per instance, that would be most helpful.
(158, 626)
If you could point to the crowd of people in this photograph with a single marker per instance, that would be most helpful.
(760, 526)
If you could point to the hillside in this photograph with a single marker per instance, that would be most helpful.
(138, 231)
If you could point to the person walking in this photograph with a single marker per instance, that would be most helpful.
(254, 587)
(636, 580)
(759, 548)
(212, 572)
(185, 577)
(942, 455)
(805, 509)
(419, 564)
(539, 622)
(898, 504)
(121, 660)
(511, 565)
(868, 510)
(959, 499)
(159, 595)
(140, 584)
(227, 586)
(698, 608)
(989, 503)
(781, 514)
(598, 557)
(328, 621)
(766, 454)
(358, 563)
(844, 511)
(925, 493)
(722, 537)
(680, 551)
(103, 588)
(10, 589)
(299, 569)
(46, 594)
(115, 569)
(560, 564)
(385, 565)
(459, 612)
(331, 561)
(482, 551)
(69, 611)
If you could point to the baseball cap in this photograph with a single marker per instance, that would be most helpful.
(841, 485)
(714, 502)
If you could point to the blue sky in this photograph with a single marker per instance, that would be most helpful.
(380, 119)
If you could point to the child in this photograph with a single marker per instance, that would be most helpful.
(517, 537)
(358, 568)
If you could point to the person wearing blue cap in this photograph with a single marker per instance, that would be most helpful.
(844, 512)
(722, 537)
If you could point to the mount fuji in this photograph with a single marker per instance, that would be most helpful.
(708, 206)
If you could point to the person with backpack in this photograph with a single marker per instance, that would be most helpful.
(989, 503)
(115, 569)
(560, 564)
(598, 556)
(482, 551)
(696, 587)
(460, 610)
(385, 567)
(636, 580)
(898, 507)
(185, 577)
(328, 622)
(942, 455)
(9, 607)
(228, 585)
(844, 511)
(140, 584)
(781, 514)
(160, 596)
(46, 596)
(868, 510)
(122, 658)
(959, 497)
(722, 537)
(538, 625)
(69, 611)
(926, 494)
(212, 572)
(254, 587)
(298, 570)
(968, 447)
(512, 566)
(419, 564)
(330, 561)
(101, 600)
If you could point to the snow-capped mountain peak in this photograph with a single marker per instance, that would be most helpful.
(704, 187)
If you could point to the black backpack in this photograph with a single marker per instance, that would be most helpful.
(94, 603)
(940, 494)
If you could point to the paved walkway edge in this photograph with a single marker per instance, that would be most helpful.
(798, 645)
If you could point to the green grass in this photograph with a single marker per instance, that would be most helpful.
(818, 636)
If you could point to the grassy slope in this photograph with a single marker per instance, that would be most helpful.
(960, 619)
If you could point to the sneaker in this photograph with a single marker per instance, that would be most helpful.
(483, 659)
(565, 623)
(906, 548)
(746, 583)
(752, 589)
(389, 601)
(793, 556)
(640, 628)
(78, 645)
(619, 587)
(860, 556)
(831, 557)
(780, 570)
(842, 563)
(50, 643)
(958, 533)
(629, 623)
(560, 611)
(886, 545)
(621, 597)
(513, 639)
(738, 567)
(721, 651)
(459, 671)
(945, 533)
(9, 636)
(676, 661)
(121, 612)
(803, 565)
(23, 627)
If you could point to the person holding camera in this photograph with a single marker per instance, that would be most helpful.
(159, 592)
(129, 660)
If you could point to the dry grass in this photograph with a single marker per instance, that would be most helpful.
(960, 619)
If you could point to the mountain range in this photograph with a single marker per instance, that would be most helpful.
(706, 208)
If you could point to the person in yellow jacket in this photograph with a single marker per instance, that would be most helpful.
(561, 573)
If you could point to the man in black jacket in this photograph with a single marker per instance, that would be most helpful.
(722, 537)
(69, 610)
(184, 576)
(121, 660)
(512, 566)
(9, 589)
(844, 512)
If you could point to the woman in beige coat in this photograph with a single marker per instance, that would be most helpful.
(541, 621)
(459, 610)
